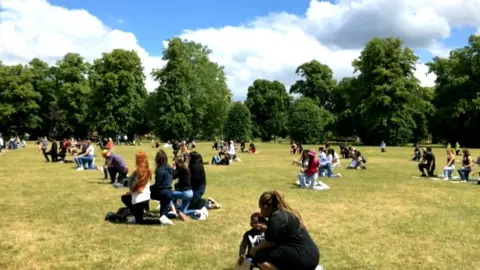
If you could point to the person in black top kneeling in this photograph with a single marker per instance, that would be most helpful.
(287, 244)
(428, 163)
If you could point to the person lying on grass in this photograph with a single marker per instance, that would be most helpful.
(252, 238)
(287, 244)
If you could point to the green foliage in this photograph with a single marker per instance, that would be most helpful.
(457, 95)
(118, 93)
(268, 103)
(18, 99)
(238, 126)
(192, 97)
(73, 94)
(317, 82)
(390, 96)
(307, 122)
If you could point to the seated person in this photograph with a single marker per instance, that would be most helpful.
(251, 148)
(221, 159)
(252, 238)
(358, 161)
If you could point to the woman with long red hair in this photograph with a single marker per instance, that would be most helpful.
(138, 197)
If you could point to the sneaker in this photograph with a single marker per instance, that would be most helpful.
(80, 169)
(463, 181)
(204, 211)
(445, 179)
(166, 221)
(171, 214)
(131, 220)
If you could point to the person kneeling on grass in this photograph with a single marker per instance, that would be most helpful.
(162, 189)
(427, 163)
(115, 165)
(287, 244)
(326, 164)
(449, 167)
(252, 149)
(466, 169)
(252, 238)
(358, 161)
(85, 161)
(138, 197)
(183, 189)
(308, 177)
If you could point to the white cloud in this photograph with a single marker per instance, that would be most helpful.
(268, 47)
(35, 28)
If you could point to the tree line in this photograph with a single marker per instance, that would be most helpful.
(382, 101)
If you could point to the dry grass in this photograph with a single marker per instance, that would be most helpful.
(382, 218)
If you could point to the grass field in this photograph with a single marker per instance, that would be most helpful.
(52, 217)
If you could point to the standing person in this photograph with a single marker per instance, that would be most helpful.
(162, 189)
(242, 146)
(427, 163)
(53, 150)
(183, 188)
(115, 165)
(287, 244)
(449, 167)
(43, 147)
(138, 196)
(467, 163)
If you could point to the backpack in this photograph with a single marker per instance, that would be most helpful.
(119, 217)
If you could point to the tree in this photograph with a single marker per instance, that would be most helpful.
(307, 122)
(43, 82)
(344, 105)
(268, 103)
(389, 92)
(18, 100)
(118, 93)
(317, 82)
(192, 96)
(238, 126)
(73, 94)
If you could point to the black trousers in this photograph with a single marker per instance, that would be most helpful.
(45, 154)
(113, 172)
(138, 210)
(429, 168)
(165, 197)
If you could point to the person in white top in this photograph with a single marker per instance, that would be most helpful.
(326, 162)
(232, 152)
(1, 143)
(85, 161)
(138, 197)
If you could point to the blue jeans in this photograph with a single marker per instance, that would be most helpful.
(86, 162)
(448, 171)
(464, 173)
(186, 196)
(327, 167)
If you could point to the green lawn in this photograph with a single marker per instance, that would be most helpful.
(52, 217)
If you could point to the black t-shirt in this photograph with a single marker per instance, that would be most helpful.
(284, 230)
(430, 158)
(251, 238)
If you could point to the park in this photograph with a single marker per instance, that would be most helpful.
(385, 217)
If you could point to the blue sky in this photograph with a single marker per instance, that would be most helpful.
(153, 21)
(271, 48)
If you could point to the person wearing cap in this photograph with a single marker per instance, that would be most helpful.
(115, 166)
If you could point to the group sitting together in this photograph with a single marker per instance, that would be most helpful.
(183, 200)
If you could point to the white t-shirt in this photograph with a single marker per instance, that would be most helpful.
(323, 158)
(144, 195)
(1, 141)
(231, 149)
(91, 150)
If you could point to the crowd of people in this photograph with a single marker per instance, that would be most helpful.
(427, 164)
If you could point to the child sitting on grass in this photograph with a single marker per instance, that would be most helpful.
(252, 238)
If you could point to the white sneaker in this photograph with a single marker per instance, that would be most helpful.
(80, 169)
(131, 220)
(165, 221)
(204, 211)
(445, 179)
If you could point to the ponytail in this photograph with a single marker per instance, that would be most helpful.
(276, 201)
